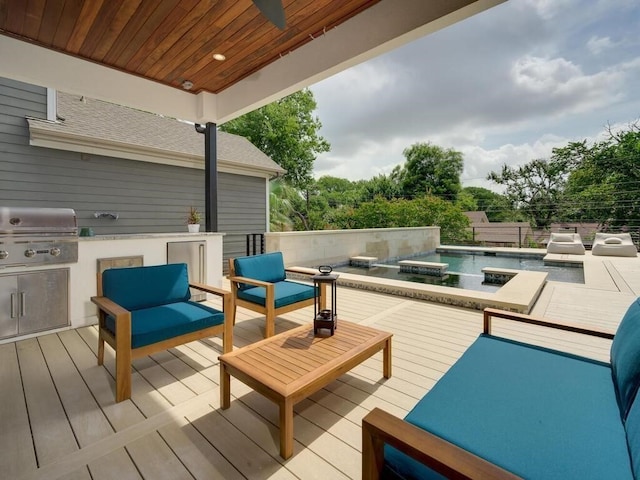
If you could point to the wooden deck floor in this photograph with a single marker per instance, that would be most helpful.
(58, 417)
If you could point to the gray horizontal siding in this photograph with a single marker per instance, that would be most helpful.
(241, 210)
(149, 198)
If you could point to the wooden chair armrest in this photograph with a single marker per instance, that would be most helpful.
(109, 306)
(489, 313)
(250, 281)
(380, 428)
(221, 292)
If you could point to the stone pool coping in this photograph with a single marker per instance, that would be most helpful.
(518, 295)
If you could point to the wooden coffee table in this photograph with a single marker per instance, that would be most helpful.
(289, 367)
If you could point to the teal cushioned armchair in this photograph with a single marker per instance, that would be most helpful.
(143, 310)
(259, 283)
(509, 409)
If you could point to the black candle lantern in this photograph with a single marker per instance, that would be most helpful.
(325, 318)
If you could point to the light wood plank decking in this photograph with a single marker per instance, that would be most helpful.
(59, 420)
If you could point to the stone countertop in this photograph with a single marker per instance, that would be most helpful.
(136, 236)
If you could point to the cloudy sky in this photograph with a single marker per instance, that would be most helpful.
(504, 86)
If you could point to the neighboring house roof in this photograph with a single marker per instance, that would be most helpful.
(477, 217)
(103, 128)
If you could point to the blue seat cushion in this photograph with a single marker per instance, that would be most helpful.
(625, 358)
(154, 324)
(142, 287)
(535, 412)
(286, 293)
(268, 267)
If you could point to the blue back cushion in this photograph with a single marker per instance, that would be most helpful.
(143, 287)
(632, 426)
(268, 267)
(625, 358)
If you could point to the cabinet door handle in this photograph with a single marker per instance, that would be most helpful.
(13, 305)
(22, 304)
(202, 264)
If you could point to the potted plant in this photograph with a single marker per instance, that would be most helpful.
(193, 220)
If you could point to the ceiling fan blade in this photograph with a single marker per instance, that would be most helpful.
(273, 10)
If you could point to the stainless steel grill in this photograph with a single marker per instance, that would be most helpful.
(37, 236)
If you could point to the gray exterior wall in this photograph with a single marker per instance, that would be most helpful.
(148, 197)
(242, 209)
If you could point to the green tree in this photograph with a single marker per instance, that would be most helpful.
(338, 191)
(430, 169)
(497, 207)
(384, 186)
(424, 211)
(536, 188)
(281, 210)
(286, 131)
(466, 201)
(604, 184)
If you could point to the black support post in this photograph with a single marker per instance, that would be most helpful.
(211, 177)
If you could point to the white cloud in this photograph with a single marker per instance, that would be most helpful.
(597, 45)
(531, 82)
(562, 82)
(549, 9)
(542, 74)
(479, 162)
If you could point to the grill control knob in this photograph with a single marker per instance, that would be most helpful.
(3, 254)
(30, 253)
(55, 251)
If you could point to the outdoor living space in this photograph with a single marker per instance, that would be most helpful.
(59, 418)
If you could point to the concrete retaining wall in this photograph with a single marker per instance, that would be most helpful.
(337, 246)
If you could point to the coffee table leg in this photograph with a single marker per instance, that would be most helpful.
(225, 387)
(286, 428)
(386, 352)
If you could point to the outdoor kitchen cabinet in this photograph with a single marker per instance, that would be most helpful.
(33, 301)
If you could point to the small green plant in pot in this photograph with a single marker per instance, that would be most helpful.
(193, 220)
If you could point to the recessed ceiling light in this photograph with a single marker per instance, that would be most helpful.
(187, 85)
(218, 56)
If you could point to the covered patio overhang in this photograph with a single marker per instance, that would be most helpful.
(86, 51)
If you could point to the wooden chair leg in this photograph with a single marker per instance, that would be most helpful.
(270, 328)
(100, 348)
(123, 375)
(232, 311)
(101, 323)
(123, 357)
(229, 307)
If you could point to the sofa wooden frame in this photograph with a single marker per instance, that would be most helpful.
(121, 341)
(268, 309)
(380, 428)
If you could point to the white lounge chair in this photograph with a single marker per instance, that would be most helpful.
(614, 245)
(570, 243)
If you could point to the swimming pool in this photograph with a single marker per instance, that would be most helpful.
(465, 270)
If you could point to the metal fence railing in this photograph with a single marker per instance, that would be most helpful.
(255, 243)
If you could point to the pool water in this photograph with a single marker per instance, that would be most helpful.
(465, 270)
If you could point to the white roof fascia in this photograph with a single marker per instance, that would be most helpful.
(109, 148)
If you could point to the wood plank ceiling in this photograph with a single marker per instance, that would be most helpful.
(171, 41)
